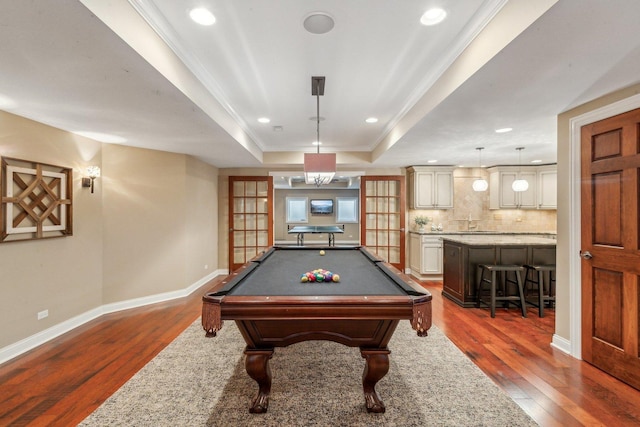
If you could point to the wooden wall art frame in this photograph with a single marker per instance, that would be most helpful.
(36, 200)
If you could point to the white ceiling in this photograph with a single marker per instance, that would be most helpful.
(143, 71)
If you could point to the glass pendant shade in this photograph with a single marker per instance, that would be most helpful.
(520, 185)
(480, 185)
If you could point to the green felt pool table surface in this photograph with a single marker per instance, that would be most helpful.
(279, 271)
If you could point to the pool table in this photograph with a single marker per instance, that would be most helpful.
(273, 308)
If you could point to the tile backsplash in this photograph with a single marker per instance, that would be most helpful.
(469, 204)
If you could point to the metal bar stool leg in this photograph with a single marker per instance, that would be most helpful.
(493, 293)
(541, 293)
(523, 303)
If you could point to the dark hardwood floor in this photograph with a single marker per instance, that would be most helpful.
(63, 381)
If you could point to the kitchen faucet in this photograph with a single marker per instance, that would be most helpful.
(469, 220)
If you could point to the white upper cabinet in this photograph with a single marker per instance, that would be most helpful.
(430, 187)
(548, 188)
(541, 193)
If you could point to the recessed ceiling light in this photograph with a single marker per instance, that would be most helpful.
(504, 130)
(264, 120)
(202, 16)
(316, 143)
(536, 161)
(432, 161)
(318, 23)
(102, 137)
(372, 120)
(433, 16)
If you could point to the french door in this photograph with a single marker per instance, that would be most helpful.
(382, 207)
(250, 218)
(610, 169)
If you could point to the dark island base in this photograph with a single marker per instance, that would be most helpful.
(461, 260)
(466, 304)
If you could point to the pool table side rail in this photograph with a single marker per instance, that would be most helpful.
(217, 308)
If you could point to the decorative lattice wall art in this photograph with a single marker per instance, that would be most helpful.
(36, 200)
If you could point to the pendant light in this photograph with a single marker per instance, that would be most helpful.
(319, 168)
(480, 184)
(520, 184)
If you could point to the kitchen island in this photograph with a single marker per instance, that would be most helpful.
(462, 254)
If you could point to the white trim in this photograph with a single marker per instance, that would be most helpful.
(561, 344)
(575, 275)
(33, 341)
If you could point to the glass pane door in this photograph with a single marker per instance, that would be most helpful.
(250, 218)
(382, 225)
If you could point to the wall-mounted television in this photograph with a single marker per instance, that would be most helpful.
(321, 206)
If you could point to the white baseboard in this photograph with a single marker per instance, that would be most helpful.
(29, 343)
(561, 344)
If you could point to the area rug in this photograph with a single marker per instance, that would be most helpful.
(198, 381)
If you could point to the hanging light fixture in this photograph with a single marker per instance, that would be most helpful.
(319, 169)
(520, 184)
(480, 184)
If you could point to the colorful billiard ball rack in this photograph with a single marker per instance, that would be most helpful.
(319, 275)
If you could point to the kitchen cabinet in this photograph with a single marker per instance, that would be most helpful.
(548, 188)
(430, 187)
(425, 255)
(541, 193)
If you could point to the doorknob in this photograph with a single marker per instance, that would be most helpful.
(586, 255)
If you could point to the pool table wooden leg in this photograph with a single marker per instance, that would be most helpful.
(257, 365)
(376, 367)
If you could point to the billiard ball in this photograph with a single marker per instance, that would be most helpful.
(321, 252)
(336, 278)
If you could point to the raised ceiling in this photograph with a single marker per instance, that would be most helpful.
(144, 72)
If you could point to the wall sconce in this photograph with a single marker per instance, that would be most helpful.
(93, 172)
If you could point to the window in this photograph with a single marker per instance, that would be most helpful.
(346, 209)
(297, 209)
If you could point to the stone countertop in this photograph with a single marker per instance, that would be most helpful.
(484, 233)
(501, 240)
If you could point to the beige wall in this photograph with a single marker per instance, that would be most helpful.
(201, 218)
(150, 227)
(564, 199)
(163, 205)
(63, 275)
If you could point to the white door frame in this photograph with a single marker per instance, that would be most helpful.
(575, 274)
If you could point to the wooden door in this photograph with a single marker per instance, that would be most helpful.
(610, 168)
(382, 224)
(250, 218)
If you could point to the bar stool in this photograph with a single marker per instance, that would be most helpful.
(534, 275)
(492, 280)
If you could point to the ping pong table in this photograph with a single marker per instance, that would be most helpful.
(301, 230)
